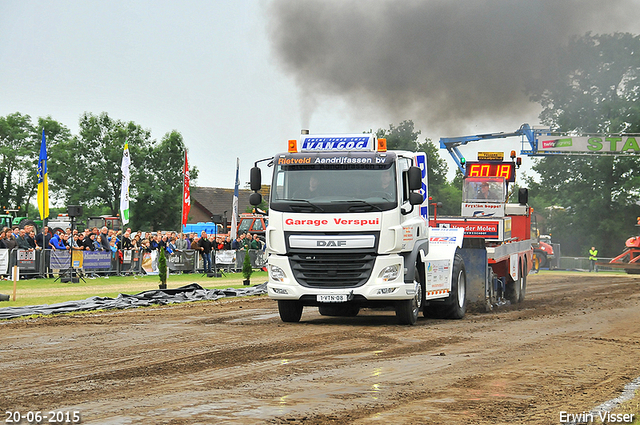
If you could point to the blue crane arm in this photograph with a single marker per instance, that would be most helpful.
(451, 143)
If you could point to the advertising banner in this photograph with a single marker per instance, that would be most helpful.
(150, 262)
(77, 260)
(498, 229)
(225, 257)
(181, 261)
(4, 261)
(60, 260)
(96, 260)
(596, 144)
(26, 259)
(482, 209)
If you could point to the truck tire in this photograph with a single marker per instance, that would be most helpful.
(455, 306)
(523, 288)
(339, 310)
(542, 259)
(290, 310)
(407, 311)
(513, 291)
(24, 223)
(458, 307)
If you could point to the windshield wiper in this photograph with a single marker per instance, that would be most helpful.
(362, 203)
(305, 201)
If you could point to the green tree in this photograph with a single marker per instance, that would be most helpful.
(85, 170)
(19, 151)
(593, 86)
(247, 271)
(158, 202)
(405, 137)
(16, 143)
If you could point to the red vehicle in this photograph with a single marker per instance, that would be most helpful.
(252, 223)
(502, 228)
(629, 260)
(543, 251)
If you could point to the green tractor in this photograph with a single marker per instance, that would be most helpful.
(10, 218)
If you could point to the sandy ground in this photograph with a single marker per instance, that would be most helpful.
(573, 344)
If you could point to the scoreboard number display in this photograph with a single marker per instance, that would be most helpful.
(491, 169)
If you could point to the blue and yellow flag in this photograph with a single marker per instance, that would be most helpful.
(43, 182)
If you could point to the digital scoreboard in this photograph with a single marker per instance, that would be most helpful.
(491, 169)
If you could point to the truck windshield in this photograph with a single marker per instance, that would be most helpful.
(484, 189)
(330, 182)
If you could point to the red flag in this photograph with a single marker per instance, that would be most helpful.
(186, 196)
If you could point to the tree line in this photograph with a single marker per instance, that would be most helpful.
(84, 169)
(591, 85)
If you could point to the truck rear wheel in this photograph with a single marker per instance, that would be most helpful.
(340, 310)
(514, 288)
(523, 288)
(290, 310)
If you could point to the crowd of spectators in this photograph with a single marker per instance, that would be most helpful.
(110, 240)
(105, 239)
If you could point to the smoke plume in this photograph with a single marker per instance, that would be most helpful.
(446, 61)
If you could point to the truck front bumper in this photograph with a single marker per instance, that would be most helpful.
(285, 287)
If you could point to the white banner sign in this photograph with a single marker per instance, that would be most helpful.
(4, 261)
(595, 144)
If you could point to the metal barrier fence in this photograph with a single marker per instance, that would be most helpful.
(46, 263)
(581, 263)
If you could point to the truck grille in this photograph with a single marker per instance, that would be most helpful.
(332, 270)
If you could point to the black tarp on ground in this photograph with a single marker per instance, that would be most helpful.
(192, 292)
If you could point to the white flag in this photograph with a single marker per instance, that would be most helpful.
(124, 190)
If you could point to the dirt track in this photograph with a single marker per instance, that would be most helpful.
(573, 344)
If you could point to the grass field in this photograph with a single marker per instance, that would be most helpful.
(46, 291)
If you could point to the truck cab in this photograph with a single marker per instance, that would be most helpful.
(348, 228)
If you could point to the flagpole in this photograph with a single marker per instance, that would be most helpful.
(42, 213)
(182, 201)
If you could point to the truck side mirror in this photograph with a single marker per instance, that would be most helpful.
(256, 179)
(523, 196)
(416, 198)
(255, 199)
(415, 178)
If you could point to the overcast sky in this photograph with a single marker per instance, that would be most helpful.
(238, 78)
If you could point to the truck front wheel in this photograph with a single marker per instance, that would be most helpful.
(455, 306)
(407, 311)
(290, 310)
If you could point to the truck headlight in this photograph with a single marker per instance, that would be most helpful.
(386, 291)
(277, 274)
(389, 273)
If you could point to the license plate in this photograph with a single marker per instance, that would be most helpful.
(333, 298)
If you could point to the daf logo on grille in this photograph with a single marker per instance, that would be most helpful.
(329, 243)
(321, 242)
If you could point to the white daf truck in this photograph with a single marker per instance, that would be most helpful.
(349, 228)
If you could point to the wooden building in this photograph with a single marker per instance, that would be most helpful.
(209, 201)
